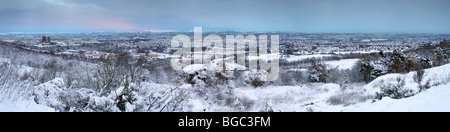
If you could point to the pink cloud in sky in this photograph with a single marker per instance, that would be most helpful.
(105, 24)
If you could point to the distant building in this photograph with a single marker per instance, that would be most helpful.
(46, 41)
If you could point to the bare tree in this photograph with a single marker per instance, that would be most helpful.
(438, 57)
(411, 62)
(106, 77)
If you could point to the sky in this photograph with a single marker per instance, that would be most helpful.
(337, 16)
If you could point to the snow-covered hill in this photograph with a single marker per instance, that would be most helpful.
(300, 98)
(436, 75)
(356, 97)
(435, 99)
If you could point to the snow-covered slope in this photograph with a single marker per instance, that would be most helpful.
(435, 99)
(301, 97)
(436, 75)
(23, 106)
(345, 97)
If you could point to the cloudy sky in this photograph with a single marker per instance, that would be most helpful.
(431, 16)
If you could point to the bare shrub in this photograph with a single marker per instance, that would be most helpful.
(240, 103)
(310, 109)
(168, 100)
(254, 78)
(25, 76)
(348, 98)
(268, 107)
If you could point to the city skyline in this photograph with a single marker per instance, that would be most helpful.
(322, 16)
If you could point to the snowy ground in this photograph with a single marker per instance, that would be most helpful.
(23, 106)
(263, 56)
(436, 75)
(342, 64)
(309, 97)
(288, 98)
(303, 57)
(354, 97)
(435, 99)
(362, 52)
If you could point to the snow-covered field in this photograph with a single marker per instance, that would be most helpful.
(342, 64)
(264, 56)
(303, 57)
(288, 98)
(362, 52)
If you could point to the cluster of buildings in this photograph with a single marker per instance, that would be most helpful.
(46, 41)
(304, 44)
(158, 45)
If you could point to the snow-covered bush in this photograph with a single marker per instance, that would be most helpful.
(195, 74)
(425, 62)
(123, 99)
(127, 98)
(318, 73)
(166, 98)
(366, 69)
(253, 78)
(394, 91)
(74, 99)
(198, 75)
(239, 103)
(11, 85)
(380, 67)
(418, 78)
(268, 107)
(213, 86)
(222, 77)
(396, 62)
(56, 95)
(101, 104)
